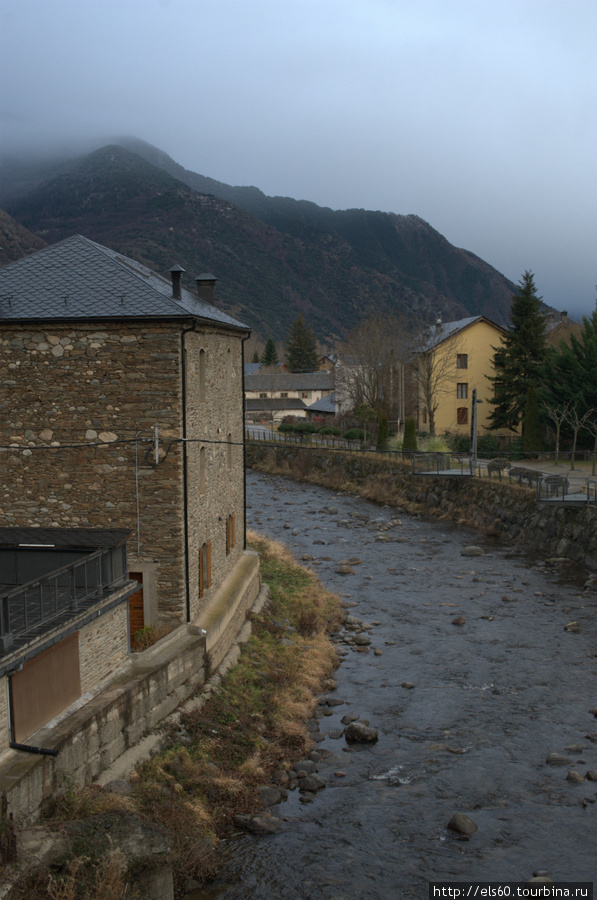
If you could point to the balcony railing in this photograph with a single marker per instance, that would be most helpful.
(33, 607)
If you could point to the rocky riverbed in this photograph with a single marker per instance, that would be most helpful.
(459, 741)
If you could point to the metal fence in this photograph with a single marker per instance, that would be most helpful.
(40, 603)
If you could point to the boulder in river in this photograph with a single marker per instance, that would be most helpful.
(558, 759)
(359, 733)
(462, 824)
(258, 824)
(471, 550)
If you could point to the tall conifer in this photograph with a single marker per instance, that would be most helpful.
(301, 347)
(519, 359)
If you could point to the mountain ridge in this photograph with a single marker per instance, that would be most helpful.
(274, 257)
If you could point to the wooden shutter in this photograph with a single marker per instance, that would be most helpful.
(208, 564)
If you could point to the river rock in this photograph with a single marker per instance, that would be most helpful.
(346, 720)
(459, 620)
(334, 701)
(591, 775)
(258, 824)
(305, 767)
(575, 777)
(344, 570)
(462, 824)
(558, 759)
(352, 620)
(378, 652)
(407, 685)
(573, 628)
(269, 794)
(472, 551)
(312, 783)
(358, 732)
(362, 640)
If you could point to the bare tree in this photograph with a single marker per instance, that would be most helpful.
(370, 370)
(576, 422)
(558, 415)
(434, 352)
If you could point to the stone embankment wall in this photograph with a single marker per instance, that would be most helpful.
(495, 507)
(98, 730)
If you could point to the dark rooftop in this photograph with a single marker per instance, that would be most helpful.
(64, 538)
(79, 279)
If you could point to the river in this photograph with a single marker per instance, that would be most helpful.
(492, 698)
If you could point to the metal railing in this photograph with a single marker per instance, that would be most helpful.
(559, 488)
(40, 603)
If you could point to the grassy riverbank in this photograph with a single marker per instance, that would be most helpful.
(215, 758)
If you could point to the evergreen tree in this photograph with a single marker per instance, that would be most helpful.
(519, 360)
(255, 357)
(270, 354)
(532, 439)
(569, 374)
(410, 435)
(301, 347)
(383, 432)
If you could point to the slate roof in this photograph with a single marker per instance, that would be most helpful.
(79, 279)
(437, 334)
(288, 381)
(326, 404)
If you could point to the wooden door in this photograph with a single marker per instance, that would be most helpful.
(136, 615)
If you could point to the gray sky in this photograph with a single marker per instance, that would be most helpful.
(480, 116)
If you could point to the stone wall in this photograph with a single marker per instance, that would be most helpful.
(510, 511)
(91, 736)
(215, 428)
(103, 647)
(83, 402)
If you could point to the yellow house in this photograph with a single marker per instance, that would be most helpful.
(454, 359)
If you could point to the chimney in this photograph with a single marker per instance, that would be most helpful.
(206, 284)
(176, 272)
(564, 314)
(438, 324)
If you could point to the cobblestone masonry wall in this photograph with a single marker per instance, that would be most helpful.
(103, 647)
(489, 505)
(100, 389)
(215, 413)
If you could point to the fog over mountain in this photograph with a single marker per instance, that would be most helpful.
(476, 116)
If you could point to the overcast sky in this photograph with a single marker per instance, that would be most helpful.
(480, 116)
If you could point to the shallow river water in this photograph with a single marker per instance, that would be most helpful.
(491, 699)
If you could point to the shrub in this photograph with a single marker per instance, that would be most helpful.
(488, 445)
(410, 435)
(459, 443)
(286, 428)
(306, 428)
(383, 432)
(329, 429)
(354, 434)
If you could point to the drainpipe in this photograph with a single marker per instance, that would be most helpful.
(244, 443)
(183, 354)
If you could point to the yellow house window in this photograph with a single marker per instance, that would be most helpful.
(462, 360)
(462, 390)
(462, 415)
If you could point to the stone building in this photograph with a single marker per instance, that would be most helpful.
(122, 407)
